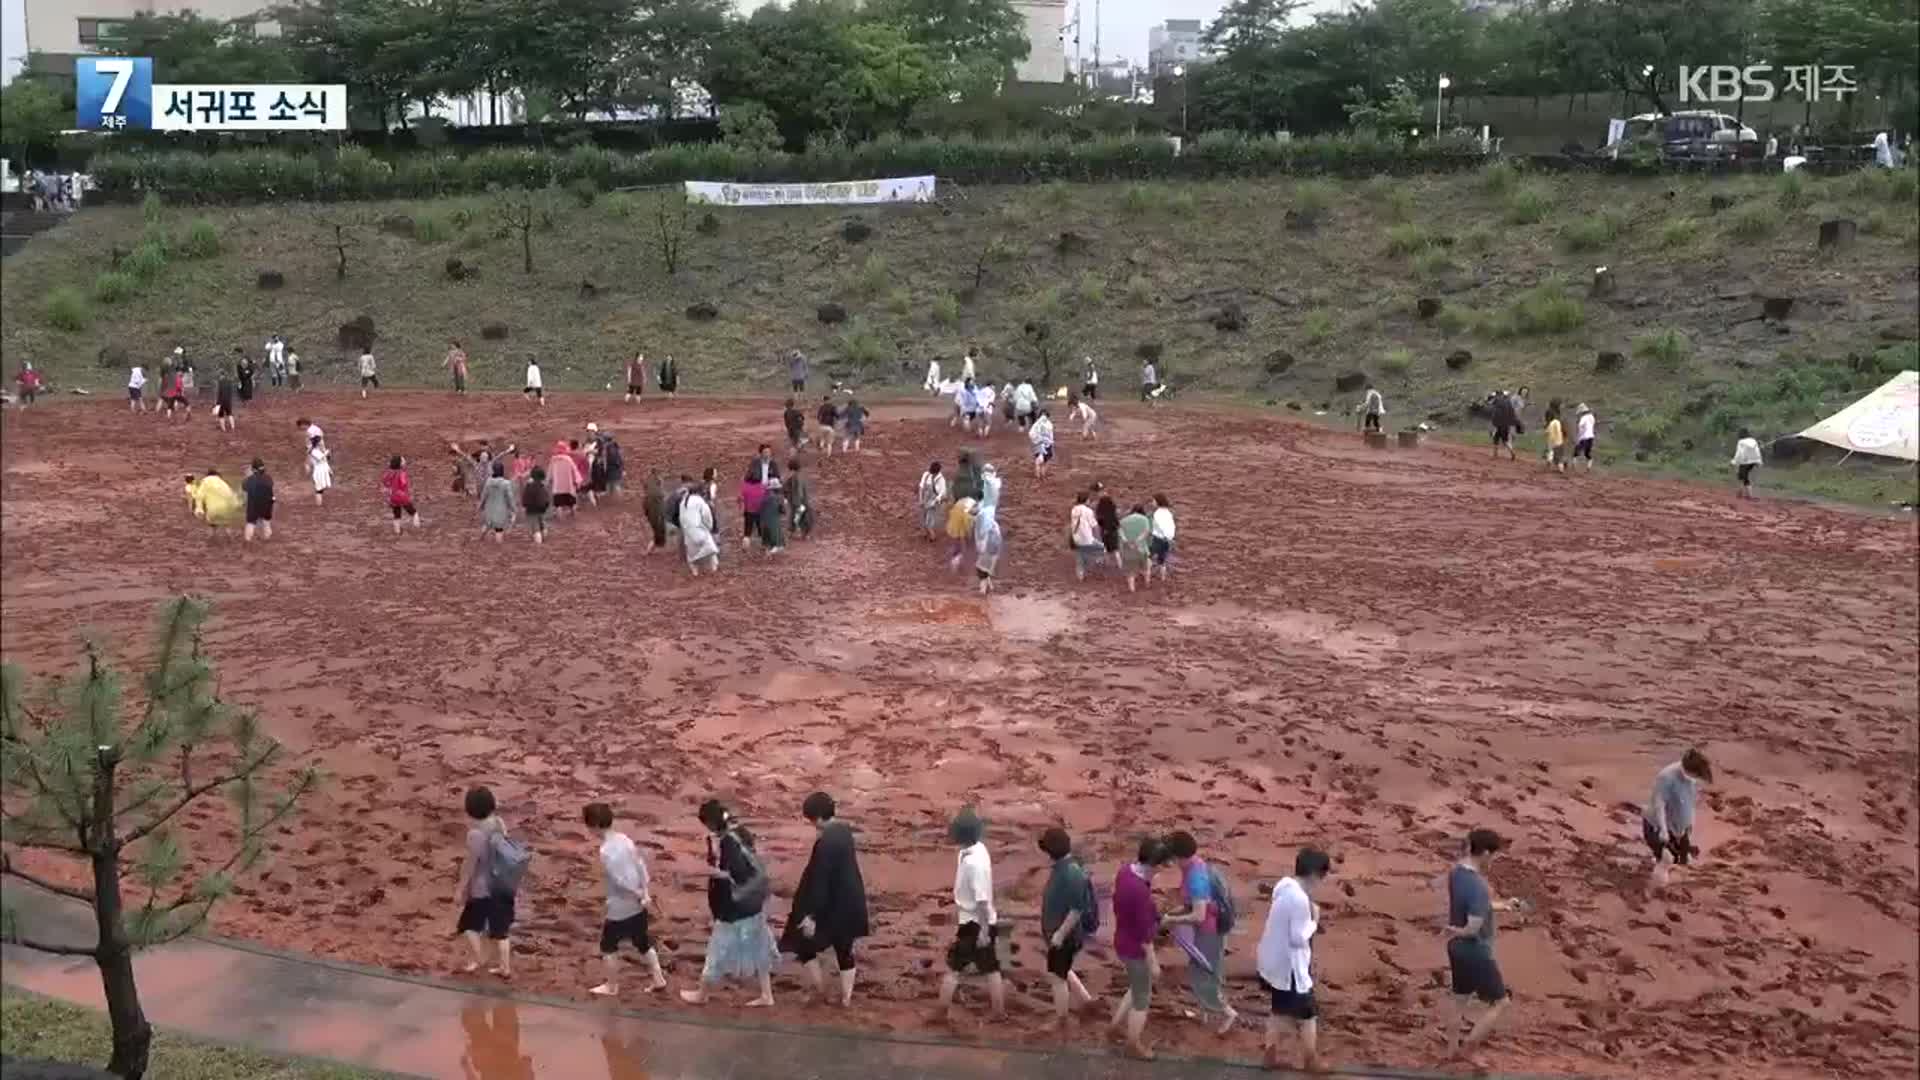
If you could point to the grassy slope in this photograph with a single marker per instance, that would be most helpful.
(1160, 260)
(40, 1028)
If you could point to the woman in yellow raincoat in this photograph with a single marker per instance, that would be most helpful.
(213, 501)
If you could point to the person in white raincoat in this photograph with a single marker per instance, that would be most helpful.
(696, 531)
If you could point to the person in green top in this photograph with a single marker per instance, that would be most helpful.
(1063, 907)
(773, 533)
(1134, 561)
(967, 478)
(800, 500)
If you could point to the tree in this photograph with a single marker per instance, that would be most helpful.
(823, 69)
(1249, 25)
(31, 117)
(974, 43)
(1640, 44)
(670, 227)
(187, 49)
(522, 210)
(77, 782)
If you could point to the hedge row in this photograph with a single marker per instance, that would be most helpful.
(355, 173)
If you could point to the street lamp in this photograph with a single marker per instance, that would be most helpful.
(1180, 72)
(1438, 97)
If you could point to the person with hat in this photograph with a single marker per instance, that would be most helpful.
(976, 930)
(1583, 426)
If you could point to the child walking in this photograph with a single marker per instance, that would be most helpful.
(933, 495)
(1746, 458)
(536, 499)
(320, 465)
(399, 488)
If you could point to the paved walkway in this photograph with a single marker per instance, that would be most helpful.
(285, 1003)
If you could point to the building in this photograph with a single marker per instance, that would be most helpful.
(1046, 60)
(64, 29)
(1173, 43)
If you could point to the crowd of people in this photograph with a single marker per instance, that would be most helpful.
(830, 914)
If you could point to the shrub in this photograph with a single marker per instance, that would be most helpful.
(945, 309)
(1434, 262)
(900, 302)
(432, 228)
(1317, 326)
(862, 346)
(1528, 204)
(1408, 239)
(1679, 233)
(1590, 233)
(113, 286)
(584, 190)
(1903, 185)
(1647, 430)
(619, 204)
(145, 264)
(1669, 348)
(1312, 197)
(1478, 239)
(151, 208)
(1090, 288)
(873, 277)
(1397, 361)
(1544, 309)
(1753, 221)
(203, 240)
(155, 235)
(1876, 223)
(1499, 177)
(1139, 292)
(1791, 191)
(1160, 199)
(1453, 319)
(67, 309)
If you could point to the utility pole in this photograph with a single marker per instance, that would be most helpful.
(1096, 40)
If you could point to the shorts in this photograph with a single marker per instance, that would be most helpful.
(971, 417)
(1557, 454)
(634, 929)
(1474, 971)
(222, 409)
(1372, 421)
(636, 390)
(1160, 549)
(1045, 453)
(369, 380)
(133, 393)
(1502, 436)
(1090, 556)
(404, 510)
(805, 949)
(537, 393)
(1583, 449)
(537, 520)
(1746, 474)
(1679, 845)
(563, 501)
(856, 428)
(258, 514)
(1139, 982)
(968, 951)
(1290, 1003)
(799, 385)
(1110, 541)
(491, 914)
(1090, 390)
(1060, 959)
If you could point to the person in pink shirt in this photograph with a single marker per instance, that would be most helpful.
(399, 488)
(1136, 922)
(563, 477)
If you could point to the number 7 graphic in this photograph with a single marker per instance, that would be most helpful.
(122, 72)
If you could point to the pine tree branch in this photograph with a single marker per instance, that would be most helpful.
(251, 766)
(8, 869)
(55, 950)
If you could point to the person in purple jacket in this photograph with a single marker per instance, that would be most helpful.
(1136, 921)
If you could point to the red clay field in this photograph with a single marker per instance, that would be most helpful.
(1369, 651)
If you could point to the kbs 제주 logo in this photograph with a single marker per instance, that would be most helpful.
(116, 92)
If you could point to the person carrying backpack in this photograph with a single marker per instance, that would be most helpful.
(741, 945)
(489, 879)
(1069, 916)
(1210, 914)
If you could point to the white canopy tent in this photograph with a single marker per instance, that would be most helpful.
(1885, 422)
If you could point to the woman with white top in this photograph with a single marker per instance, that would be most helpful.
(1160, 539)
(932, 497)
(1583, 434)
(1746, 458)
(1090, 386)
(1040, 435)
(136, 389)
(932, 383)
(320, 464)
(536, 386)
(1286, 958)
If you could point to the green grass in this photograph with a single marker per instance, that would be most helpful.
(900, 302)
(1754, 221)
(1528, 205)
(1397, 361)
(432, 228)
(862, 346)
(1544, 309)
(1455, 319)
(1478, 240)
(945, 309)
(1593, 232)
(873, 277)
(1679, 233)
(1408, 239)
(67, 309)
(113, 286)
(1139, 292)
(1790, 190)
(1434, 262)
(1669, 348)
(1091, 288)
(1317, 326)
(1499, 178)
(202, 240)
(1159, 199)
(35, 1027)
(1312, 197)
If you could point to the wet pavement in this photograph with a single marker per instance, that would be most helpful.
(284, 1003)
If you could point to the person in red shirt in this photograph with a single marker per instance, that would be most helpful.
(583, 466)
(399, 489)
(173, 390)
(30, 383)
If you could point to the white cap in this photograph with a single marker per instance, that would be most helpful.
(177, 350)
(593, 427)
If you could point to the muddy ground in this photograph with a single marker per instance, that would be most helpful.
(1369, 651)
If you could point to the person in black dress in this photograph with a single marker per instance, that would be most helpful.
(258, 488)
(1107, 515)
(223, 404)
(830, 904)
(243, 370)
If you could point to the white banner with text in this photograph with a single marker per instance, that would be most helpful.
(903, 189)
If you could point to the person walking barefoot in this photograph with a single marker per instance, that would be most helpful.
(977, 931)
(484, 908)
(1470, 910)
(1136, 922)
(931, 500)
(1069, 911)
(741, 946)
(496, 503)
(1667, 821)
(399, 490)
(1286, 960)
(830, 903)
(320, 465)
(1746, 458)
(629, 897)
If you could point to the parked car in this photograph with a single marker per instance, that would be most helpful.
(1690, 135)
